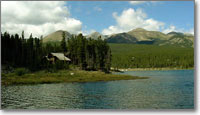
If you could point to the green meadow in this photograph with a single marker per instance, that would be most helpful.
(62, 76)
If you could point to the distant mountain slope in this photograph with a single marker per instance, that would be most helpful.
(142, 36)
(121, 38)
(136, 36)
(180, 39)
(96, 35)
(56, 36)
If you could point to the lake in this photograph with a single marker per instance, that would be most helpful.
(168, 89)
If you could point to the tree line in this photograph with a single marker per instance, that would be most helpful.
(20, 52)
(86, 53)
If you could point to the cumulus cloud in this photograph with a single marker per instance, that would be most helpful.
(141, 2)
(173, 28)
(137, 2)
(37, 17)
(130, 19)
(88, 32)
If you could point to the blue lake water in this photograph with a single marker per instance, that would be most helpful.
(172, 89)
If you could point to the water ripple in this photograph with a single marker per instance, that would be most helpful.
(164, 90)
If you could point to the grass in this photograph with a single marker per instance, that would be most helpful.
(62, 76)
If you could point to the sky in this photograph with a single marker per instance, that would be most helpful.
(105, 17)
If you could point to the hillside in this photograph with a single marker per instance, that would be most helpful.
(121, 38)
(56, 36)
(96, 35)
(179, 39)
(142, 36)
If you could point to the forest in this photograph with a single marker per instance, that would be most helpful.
(87, 54)
(151, 56)
(90, 54)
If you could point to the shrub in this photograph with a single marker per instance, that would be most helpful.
(58, 65)
(3, 75)
(61, 65)
(21, 71)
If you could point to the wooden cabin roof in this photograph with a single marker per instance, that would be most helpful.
(61, 56)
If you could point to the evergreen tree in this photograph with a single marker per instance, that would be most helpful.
(63, 43)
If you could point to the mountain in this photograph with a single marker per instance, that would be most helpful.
(138, 36)
(96, 35)
(135, 36)
(121, 38)
(56, 36)
(180, 39)
(174, 33)
(142, 36)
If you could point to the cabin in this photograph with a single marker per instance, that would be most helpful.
(53, 57)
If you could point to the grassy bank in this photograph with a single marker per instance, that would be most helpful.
(62, 76)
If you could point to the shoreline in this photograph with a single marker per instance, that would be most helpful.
(143, 69)
(63, 76)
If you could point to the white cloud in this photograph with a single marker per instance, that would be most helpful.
(87, 32)
(141, 2)
(131, 19)
(191, 31)
(137, 2)
(37, 17)
(173, 28)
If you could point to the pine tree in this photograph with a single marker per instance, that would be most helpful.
(30, 52)
(108, 60)
(63, 43)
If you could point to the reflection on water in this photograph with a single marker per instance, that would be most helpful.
(165, 89)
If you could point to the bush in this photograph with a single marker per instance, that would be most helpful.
(21, 71)
(3, 75)
(58, 65)
(73, 67)
(61, 65)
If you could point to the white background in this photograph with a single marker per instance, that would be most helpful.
(137, 112)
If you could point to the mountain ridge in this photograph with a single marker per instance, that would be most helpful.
(142, 36)
(135, 36)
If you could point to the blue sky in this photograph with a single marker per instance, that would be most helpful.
(97, 15)
(106, 17)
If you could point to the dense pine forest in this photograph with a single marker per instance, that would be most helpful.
(91, 54)
(87, 54)
(151, 56)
